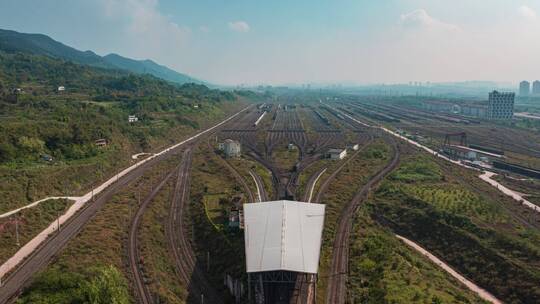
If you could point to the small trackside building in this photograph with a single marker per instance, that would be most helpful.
(232, 148)
(336, 154)
(282, 243)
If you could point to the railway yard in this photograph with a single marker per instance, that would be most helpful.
(173, 225)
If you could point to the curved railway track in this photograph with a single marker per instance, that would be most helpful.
(134, 257)
(260, 185)
(13, 284)
(304, 292)
(336, 289)
(177, 236)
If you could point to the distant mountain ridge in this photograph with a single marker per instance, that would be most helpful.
(39, 44)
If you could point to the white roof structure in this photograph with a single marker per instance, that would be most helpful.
(283, 235)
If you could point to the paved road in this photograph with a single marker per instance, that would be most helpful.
(515, 195)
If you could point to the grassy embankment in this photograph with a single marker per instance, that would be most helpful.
(30, 223)
(382, 269)
(478, 231)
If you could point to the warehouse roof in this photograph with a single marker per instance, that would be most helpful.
(283, 235)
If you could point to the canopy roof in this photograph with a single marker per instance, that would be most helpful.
(283, 235)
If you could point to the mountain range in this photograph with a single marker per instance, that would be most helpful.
(39, 44)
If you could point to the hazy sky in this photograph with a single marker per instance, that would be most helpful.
(278, 41)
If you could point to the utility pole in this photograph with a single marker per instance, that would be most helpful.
(17, 231)
(208, 261)
(58, 221)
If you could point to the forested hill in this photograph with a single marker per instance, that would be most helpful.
(38, 119)
(38, 44)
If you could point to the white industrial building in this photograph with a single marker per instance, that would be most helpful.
(282, 241)
(231, 148)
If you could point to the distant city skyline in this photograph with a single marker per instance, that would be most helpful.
(298, 42)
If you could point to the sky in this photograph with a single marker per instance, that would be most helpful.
(280, 42)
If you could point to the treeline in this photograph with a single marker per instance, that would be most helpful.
(40, 122)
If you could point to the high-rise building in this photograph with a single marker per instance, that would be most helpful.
(524, 88)
(536, 88)
(501, 105)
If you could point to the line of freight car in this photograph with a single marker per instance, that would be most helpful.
(442, 116)
(333, 112)
(530, 172)
(414, 114)
(322, 117)
(376, 115)
(384, 116)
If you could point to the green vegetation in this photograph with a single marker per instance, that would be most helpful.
(37, 44)
(213, 193)
(284, 158)
(30, 222)
(384, 270)
(244, 164)
(423, 170)
(65, 124)
(47, 138)
(468, 229)
(98, 285)
(306, 174)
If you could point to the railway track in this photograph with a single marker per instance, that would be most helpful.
(260, 185)
(134, 257)
(18, 279)
(304, 292)
(310, 186)
(184, 256)
(336, 289)
(14, 282)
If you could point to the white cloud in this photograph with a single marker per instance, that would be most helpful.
(239, 26)
(527, 12)
(204, 29)
(419, 18)
(147, 32)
